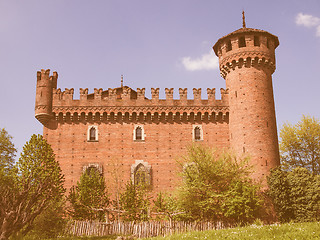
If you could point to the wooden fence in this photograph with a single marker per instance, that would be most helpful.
(139, 230)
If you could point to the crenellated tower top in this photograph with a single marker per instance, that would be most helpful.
(246, 47)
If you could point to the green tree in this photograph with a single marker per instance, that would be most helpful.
(300, 144)
(217, 186)
(135, 202)
(7, 150)
(295, 194)
(89, 198)
(29, 187)
(166, 207)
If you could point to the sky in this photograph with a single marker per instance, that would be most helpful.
(165, 44)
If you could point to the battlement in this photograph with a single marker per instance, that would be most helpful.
(124, 103)
(126, 96)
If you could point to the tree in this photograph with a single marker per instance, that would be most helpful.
(89, 198)
(217, 186)
(135, 202)
(295, 194)
(7, 150)
(300, 144)
(29, 187)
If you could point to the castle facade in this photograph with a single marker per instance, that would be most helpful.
(128, 136)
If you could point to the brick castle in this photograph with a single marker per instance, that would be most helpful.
(128, 136)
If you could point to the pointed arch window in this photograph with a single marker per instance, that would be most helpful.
(197, 133)
(138, 133)
(92, 135)
(141, 173)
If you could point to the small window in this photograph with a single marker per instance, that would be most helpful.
(256, 41)
(268, 45)
(138, 133)
(92, 134)
(197, 133)
(229, 46)
(242, 42)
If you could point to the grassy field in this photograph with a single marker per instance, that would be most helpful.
(290, 231)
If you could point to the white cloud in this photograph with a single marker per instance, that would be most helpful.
(309, 21)
(318, 31)
(205, 62)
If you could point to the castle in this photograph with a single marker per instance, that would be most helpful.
(122, 133)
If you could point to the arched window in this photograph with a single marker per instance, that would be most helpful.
(92, 133)
(197, 133)
(141, 173)
(140, 177)
(138, 133)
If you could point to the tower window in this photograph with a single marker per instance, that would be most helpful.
(268, 44)
(229, 46)
(138, 133)
(242, 42)
(197, 133)
(256, 41)
(92, 134)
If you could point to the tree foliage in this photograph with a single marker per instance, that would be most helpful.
(166, 207)
(300, 144)
(89, 198)
(29, 187)
(135, 202)
(7, 150)
(216, 186)
(295, 194)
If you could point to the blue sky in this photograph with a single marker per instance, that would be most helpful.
(165, 43)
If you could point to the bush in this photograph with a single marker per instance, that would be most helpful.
(295, 194)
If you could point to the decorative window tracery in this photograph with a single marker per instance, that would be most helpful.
(141, 173)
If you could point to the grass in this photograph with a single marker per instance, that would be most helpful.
(288, 231)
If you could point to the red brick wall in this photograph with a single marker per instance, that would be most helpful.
(164, 143)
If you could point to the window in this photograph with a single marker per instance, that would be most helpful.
(141, 173)
(229, 46)
(268, 43)
(138, 133)
(197, 133)
(92, 134)
(242, 42)
(256, 41)
(92, 167)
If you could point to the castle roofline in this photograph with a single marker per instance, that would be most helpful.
(242, 31)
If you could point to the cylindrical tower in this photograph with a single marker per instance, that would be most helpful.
(247, 62)
(45, 85)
